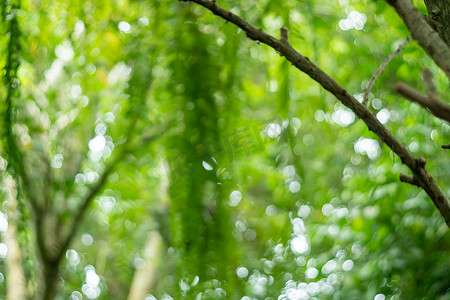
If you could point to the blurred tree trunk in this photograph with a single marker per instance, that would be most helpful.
(145, 278)
(15, 279)
(439, 17)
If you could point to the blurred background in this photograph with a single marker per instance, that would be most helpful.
(161, 154)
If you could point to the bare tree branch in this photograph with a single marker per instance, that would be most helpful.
(408, 179)
(381, 69)
(423, 33)
(435, 106)
(429, 84)
(423, 178)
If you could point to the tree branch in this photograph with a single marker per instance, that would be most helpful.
(423, 33)
(301, 62)
(380, 70)
(435, 106)
(95, 189)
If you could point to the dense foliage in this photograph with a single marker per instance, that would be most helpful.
(253, 182)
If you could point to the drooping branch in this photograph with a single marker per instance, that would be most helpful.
(381, 69)
(423, 33)
(421, 175)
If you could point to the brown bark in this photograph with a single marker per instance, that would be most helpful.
(439, 17)
(423, 33)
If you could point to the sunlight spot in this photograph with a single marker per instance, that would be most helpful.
(326, 289)
(76, 91)
(72, 256)
(369, 147)
(343, 117)
(296, 123)
(138, 263)
(97, 144)
(413, 146)
(342, 212)
(143, 21)
(207, 166)
(383, 116)
(327, 209)
(313, 288)
(333, 229)
(87, 239)
(304, 211)
(107, 203)
(298, 226)
(278, 249)
(120, 72)
(235, 198)
(379, 297)
(242, 272)
(294, 187)
(434, 134)
(57, 161)
(299, 244)
(91, 176)
(250, 235)
(3, 222)
(311, 273)
(329, 267)
(355, 20)
(80, 179)
(3, 250)
(109, 117)
(376, 103)
(271, 210)
(273, 130)
(319, 115)
(296, 294)
(272, 85)
(91, 289)
(54, 72)
(289, 171)
(347, 265)
(64, 51)
(100, 129)
(195, 281)
(78, 29)
(124, 27)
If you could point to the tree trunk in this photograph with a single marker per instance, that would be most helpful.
(144, 278)
(49, 280)
(15, 279)
(439, 17)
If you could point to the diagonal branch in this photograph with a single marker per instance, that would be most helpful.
(95, 189)
(423, 33)
(421, 175)
(380, 70)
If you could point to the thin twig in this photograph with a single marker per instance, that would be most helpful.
(382, 67)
